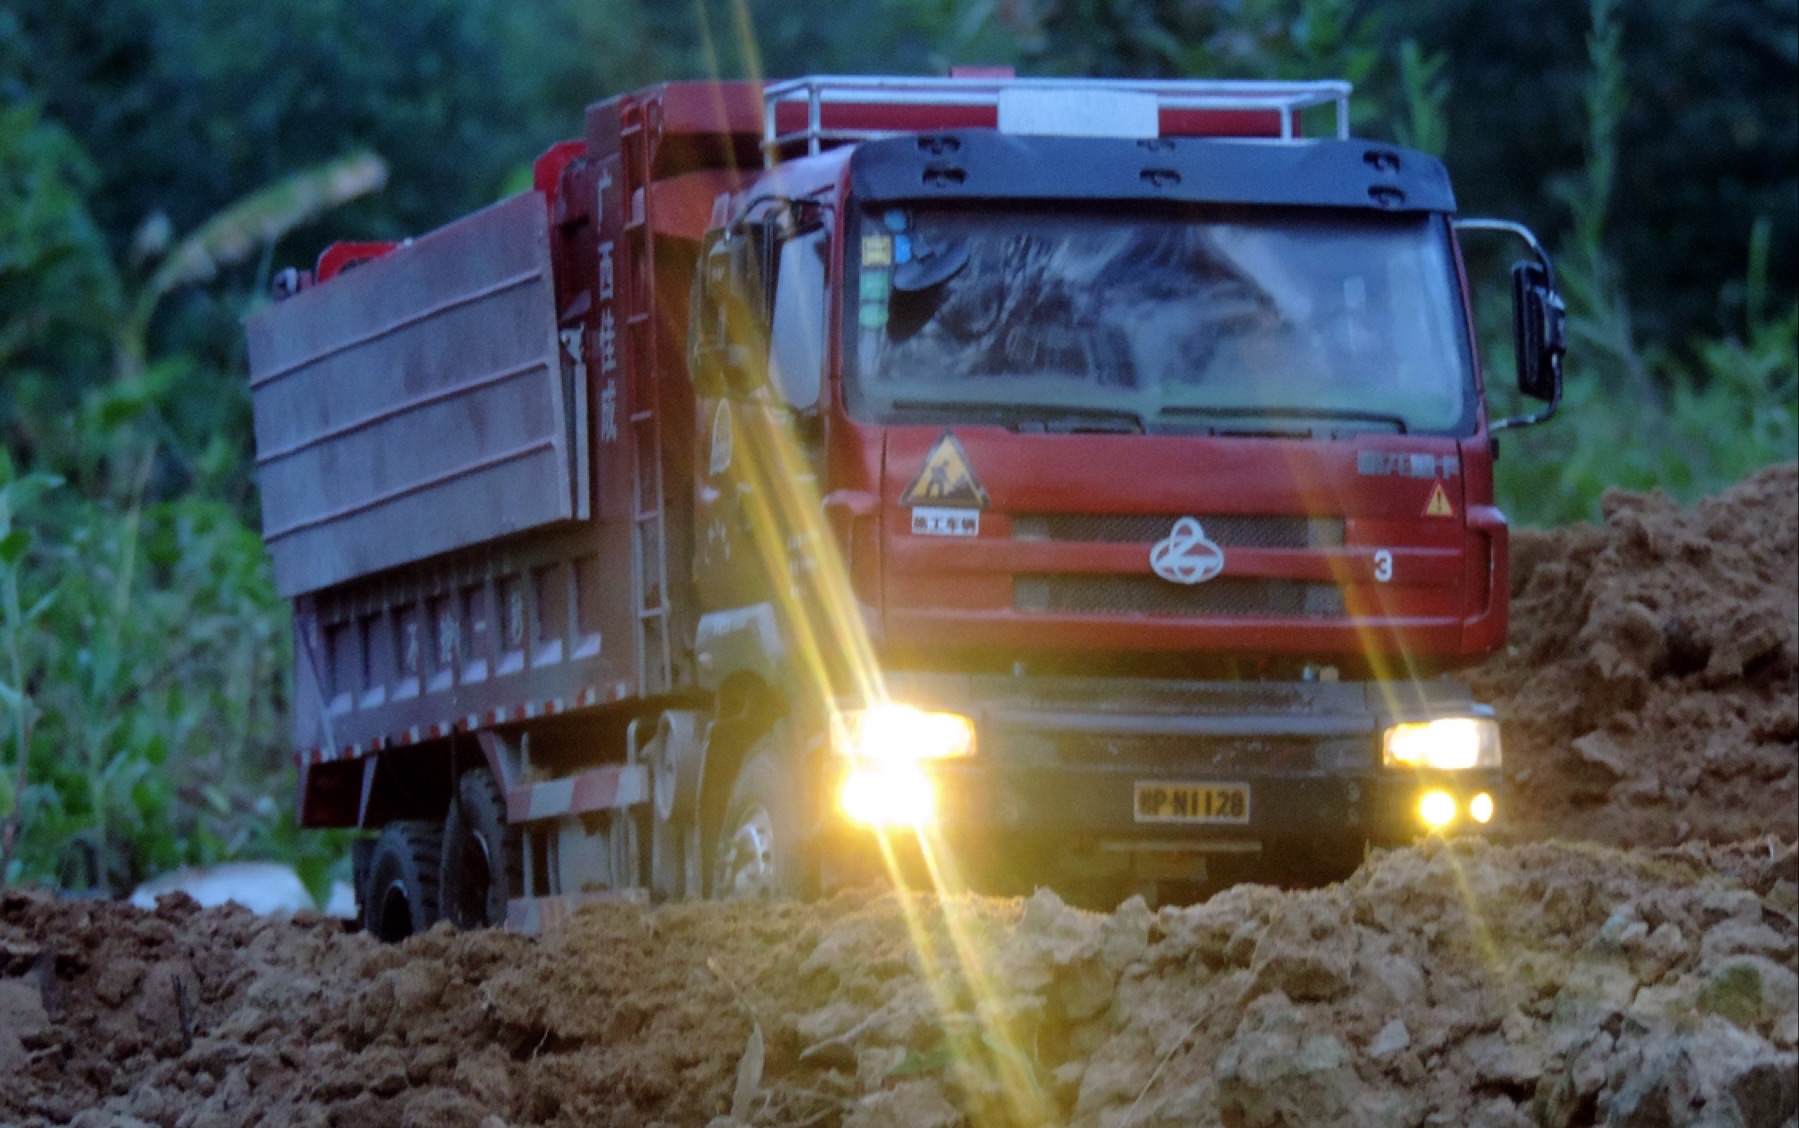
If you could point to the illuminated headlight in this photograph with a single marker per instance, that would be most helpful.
(886, 747)
(1436, 809)
(900, 734)
(888, 797)
(1447, 744)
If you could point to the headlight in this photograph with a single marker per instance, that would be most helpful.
(1447, 744)
(901, 734)
(886, 747)
(894, 797)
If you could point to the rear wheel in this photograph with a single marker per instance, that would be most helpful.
(481, 858)
(759, 855)
(400, 898)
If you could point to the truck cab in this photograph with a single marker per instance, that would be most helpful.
(1134, 446)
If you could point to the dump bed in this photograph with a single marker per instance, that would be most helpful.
(417, 404)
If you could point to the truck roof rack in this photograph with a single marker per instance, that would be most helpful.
(822, 111)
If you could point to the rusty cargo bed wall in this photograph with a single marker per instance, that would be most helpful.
(466, 447)
(417, 404)
(423, 441)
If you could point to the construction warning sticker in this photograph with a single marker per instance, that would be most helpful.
(1439, 505)
(947, 479)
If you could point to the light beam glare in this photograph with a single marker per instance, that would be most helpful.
(810, 580)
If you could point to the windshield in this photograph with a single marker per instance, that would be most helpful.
(1257, 321)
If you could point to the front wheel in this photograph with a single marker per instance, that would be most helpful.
(759, 855)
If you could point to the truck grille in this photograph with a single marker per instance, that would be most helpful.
(1205, 754)
(1148, 595)
(1230, 531)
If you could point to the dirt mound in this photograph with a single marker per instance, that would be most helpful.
(1650, 691)
(1466, 984)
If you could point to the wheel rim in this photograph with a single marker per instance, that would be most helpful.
(746, 862)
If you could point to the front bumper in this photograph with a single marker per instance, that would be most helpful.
(1142, 764)
(1105, 802)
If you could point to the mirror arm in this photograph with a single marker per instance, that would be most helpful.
(1543, 416)
(1524, 233)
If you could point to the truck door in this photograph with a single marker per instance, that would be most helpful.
(759, 365)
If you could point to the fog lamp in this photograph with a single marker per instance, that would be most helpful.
(891, 796)
(901, 734)
(1436, 809)
(1445, 744)
(1480, 808)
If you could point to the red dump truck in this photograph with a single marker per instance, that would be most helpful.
(1002, 481)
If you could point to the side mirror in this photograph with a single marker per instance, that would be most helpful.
(1539, 332)
(1539, 323)
(752, 249)
(734, 296)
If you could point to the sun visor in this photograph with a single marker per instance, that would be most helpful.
(981, 164)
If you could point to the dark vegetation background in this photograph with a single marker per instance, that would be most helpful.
(159, 159)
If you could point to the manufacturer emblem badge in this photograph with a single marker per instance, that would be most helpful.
(1186, 556)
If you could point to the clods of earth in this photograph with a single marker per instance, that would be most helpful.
(1626, 958)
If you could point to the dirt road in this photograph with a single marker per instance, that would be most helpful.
(1628, 959)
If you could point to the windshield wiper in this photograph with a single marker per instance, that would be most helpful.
(1046, 417)
(1396, 422)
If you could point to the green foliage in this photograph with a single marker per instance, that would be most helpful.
(143, 652)
(153, 651)
(1736, 411)
(57, 285)
(1707, 143)
(1425, 125)
(1636, 417)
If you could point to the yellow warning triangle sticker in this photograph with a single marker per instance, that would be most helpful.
(947, 479)
(1438, 505)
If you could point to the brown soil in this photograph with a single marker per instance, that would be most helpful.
(1650, 694)
(1650, 691)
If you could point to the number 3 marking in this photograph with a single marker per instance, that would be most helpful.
(1383, 566)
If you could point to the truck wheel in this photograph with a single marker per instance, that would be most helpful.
(401, 896)
(482, 862)
(758, 855)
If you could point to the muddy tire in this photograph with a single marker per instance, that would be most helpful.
(482, 865)
(759, 855)
(400, 897)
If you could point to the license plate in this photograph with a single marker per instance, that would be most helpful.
(1159, 801)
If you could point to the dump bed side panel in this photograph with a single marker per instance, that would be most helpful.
(417, 404)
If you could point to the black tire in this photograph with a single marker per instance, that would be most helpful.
(400, 898)
(758, 854)
(482, 862)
